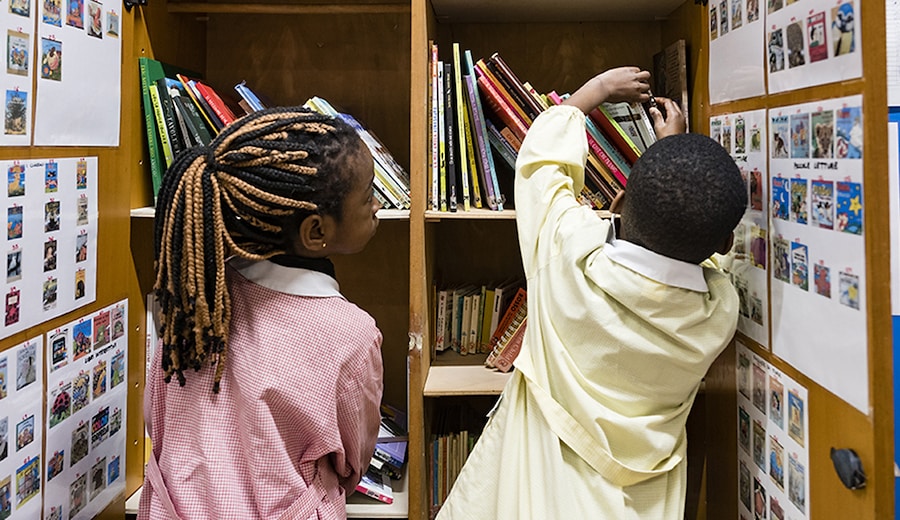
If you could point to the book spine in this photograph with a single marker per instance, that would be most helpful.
(500, 144)
(176, 142)
(190, 137)
(505, 359)
(161, 124)
(483, 153)
(607, 162)
(614, 134)
(435, 133)
(614, 156)
(202, 106)
(442, 138)
(518, 301)
(495, 200)
(513, 86)
(471, 149)
(215, 102)
(450, 136)
(498, 105)
(462, 130)
(482, 68)
(249, 96)
(153, 145)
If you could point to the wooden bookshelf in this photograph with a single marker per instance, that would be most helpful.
(370, 58)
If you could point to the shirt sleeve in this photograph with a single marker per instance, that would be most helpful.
(359, 415)
(549, 175)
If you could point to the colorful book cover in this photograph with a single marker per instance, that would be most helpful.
(776, 401)
(849, 289)
(81, 391)
(796, 426)
(59, 349)
(799, 136)
(849, 133)
(843, 23)
(797, 482)
(800, 265)
(776, 50)
(82, 339)
(799, 206)
(781, 137)
(776, 462)
(822, 204)
(758, 246)
(101, 329)
(756, 190)
(781, 198)
(818, 46)
(822, 124)
(822, 277)
(849, 212)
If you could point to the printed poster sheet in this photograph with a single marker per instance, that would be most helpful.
(773, 441)
(87, 393)
(78, 62)
(818, 273)
(892, 20)
(744, 136)
(736, 57)
(50, 207)
(812, 42)
(21, 429)
(17, 24)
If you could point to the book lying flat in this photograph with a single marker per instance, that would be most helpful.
(376, 485)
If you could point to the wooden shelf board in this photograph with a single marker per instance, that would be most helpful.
(358, 504)
(384, 214)
(464, 380)
(516, 11)
(483, 214)
(285, 8)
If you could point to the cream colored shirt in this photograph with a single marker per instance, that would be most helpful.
(592, 423)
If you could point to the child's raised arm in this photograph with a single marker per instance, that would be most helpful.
(614, 85)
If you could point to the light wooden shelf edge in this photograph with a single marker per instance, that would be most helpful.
(484, 214)
(248, 8)
(464, 380)
(384, 214)
(358, 504)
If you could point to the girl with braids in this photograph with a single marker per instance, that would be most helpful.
(264, 392)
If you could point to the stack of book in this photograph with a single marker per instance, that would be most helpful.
(391, 180)
(467, 316)
(389, 458)
(481, 111)
(182, 111)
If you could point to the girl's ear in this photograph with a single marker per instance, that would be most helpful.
(310, 235)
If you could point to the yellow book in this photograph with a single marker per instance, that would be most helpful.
(464, 151)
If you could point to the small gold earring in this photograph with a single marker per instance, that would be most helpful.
(323, 245)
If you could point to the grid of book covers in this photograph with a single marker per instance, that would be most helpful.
(21, 429)
(51, 239)
(818, 245)
(15, 83)
(86, 404)
(744, 136)
(797, 43)
(773, 441)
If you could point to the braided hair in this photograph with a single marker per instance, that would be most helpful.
(243, 195)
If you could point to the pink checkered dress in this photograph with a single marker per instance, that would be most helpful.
(294, 425)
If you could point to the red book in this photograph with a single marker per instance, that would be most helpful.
(500, 107)
(215, 102)
(505, 359)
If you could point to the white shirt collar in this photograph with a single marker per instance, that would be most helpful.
(288, 280)
(657, 267)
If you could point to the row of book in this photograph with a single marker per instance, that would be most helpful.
(467, 316)
(480, 113)
(182, 111)
(389, 459)
(449, 452)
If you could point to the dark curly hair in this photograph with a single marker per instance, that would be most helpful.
(685, 195)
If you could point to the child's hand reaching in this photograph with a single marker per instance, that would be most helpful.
(673, 122)
(629, 84)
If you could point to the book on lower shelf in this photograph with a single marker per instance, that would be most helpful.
(376, 484)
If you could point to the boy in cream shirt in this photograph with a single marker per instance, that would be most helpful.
(623, 323)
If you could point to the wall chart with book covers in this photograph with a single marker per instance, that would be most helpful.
(78, 60)
(87, 362)
(51, 214)
(818, 273)
(21, 429)
(15, 83)
(806, 43)
(773, 441)
(744, 136)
